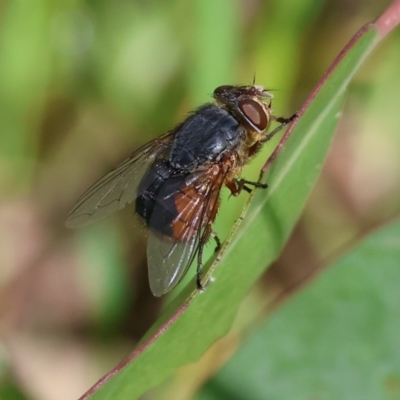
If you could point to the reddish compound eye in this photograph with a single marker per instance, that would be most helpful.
(254, 113)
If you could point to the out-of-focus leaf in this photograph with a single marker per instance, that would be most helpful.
(336, 340)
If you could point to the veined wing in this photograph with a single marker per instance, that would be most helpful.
(196, 204)
(119, 187)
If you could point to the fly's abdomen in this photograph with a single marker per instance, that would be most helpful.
(174, 209)
(150, 187)
(157, 200)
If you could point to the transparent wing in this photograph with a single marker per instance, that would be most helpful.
(169, 257)
(117, 188)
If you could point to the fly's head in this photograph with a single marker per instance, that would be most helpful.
(251, 105)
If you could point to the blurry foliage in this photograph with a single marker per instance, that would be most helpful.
(346, 343)
(83, 83)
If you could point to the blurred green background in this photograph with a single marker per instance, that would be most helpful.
(82, 85)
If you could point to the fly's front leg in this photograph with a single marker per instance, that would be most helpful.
(283, 122)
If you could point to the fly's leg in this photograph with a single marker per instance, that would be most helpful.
(237, 185)
(217, 241)
(199, 267)
(283, 122)
(242, 184)
(203, 240)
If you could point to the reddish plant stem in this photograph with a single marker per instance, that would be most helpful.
(389, 19)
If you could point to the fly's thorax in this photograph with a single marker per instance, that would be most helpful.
(203, 137)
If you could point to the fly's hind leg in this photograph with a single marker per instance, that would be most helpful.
(203, 240)
(217, 241)
(208, 232)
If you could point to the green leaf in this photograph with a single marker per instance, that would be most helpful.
(195, 320)
(338, 339)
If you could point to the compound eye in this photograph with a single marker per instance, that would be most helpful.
(254, 113)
